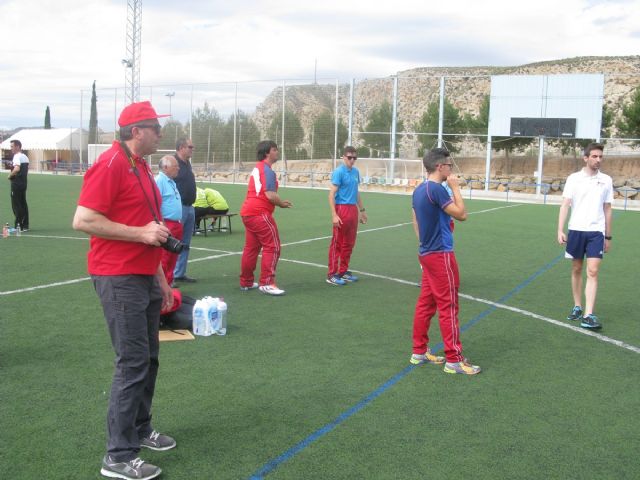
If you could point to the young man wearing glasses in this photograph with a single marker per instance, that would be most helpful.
(432, 212)
(346, 210)
(186, 182)
(118, 207)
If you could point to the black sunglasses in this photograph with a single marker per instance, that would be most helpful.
(351, 157)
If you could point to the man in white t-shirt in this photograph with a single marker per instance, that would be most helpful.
(18, 179)
(589, 193)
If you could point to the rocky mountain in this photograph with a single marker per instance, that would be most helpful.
(465, 88)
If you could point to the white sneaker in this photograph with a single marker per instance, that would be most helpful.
(252, 287)
(271, 290)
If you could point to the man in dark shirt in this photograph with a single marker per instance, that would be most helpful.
(186, 182)
(18, 179)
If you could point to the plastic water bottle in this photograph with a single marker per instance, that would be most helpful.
(5, 230)
(222, 318)
(212, 313)
(200, 318)
(18, 231)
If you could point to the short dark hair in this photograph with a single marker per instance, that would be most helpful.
(181, 142)
(126, 133)
(592, 146)
(264, 147)
(434, 157)
(349, 149)
(17, 142)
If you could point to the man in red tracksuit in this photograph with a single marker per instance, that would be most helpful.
(433, 208)
(261, 231)
(346, 210)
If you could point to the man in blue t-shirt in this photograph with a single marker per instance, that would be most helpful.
(346, 209)
(433, 208)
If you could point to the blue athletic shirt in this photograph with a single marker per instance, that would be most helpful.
(429, 202)
(347, 182)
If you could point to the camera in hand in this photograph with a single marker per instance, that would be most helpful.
(173, 245)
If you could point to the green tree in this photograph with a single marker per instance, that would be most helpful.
(452, 123)
(206, 125)
(377, 133)
(93, 116)
(322, 136)
(171, 131)
(47, 118)
(248, 138)
(293, 133)
(629, 123)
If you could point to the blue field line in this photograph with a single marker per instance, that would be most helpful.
(271, 465)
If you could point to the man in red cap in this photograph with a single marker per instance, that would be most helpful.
(119, 207)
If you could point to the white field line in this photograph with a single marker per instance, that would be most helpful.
(49, 285)
(502, 306)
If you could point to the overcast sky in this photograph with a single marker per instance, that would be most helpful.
(51, 50)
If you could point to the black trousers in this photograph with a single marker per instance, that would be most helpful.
(131, 305)
(19, 205)
(201, 212)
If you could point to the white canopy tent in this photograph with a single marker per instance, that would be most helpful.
(48, 147)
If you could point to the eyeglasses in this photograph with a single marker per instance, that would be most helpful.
(351, 157)
(190, 147)
(157, 128)
(447, 164)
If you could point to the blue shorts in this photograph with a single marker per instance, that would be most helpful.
(581, 243)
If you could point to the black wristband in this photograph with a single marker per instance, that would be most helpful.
(608, 237)
(362, 210)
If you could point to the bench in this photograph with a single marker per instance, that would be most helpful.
(216, 224)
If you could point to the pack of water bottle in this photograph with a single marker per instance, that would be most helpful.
(210, 317)
(8, 231)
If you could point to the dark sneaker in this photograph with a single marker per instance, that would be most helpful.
(349, 277)
(158, 441)
(335, 280)
(186, 279)
(135, 469)
(576, 313)
(591, 322)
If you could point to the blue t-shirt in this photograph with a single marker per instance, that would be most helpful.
(171, 202)
(429, 202)
(347, 182)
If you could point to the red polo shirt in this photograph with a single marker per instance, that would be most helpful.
(111, 188)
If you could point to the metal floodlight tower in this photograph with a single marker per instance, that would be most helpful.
(134, 43)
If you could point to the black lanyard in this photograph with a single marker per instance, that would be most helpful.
(132, 162)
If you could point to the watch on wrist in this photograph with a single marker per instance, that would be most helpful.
(362, 210)
(608, 237)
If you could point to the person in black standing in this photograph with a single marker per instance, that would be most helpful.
(186, 182)
(18, 179)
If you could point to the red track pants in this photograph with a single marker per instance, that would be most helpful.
(440, 284)
(261, 232)
(343, 240)
(169, 259)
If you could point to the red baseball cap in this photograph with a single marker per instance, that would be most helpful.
(138, 112)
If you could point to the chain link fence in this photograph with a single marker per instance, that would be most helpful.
(392, 121)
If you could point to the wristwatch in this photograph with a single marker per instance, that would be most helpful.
(608, 237)
(362, 210)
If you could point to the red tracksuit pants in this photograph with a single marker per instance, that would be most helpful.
(169, 259)
(261, 232)
(439, 292)
(343, 239)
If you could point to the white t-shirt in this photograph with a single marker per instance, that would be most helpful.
(588, 194)
(19, 158)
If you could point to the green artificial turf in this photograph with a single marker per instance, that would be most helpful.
(551, 402)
